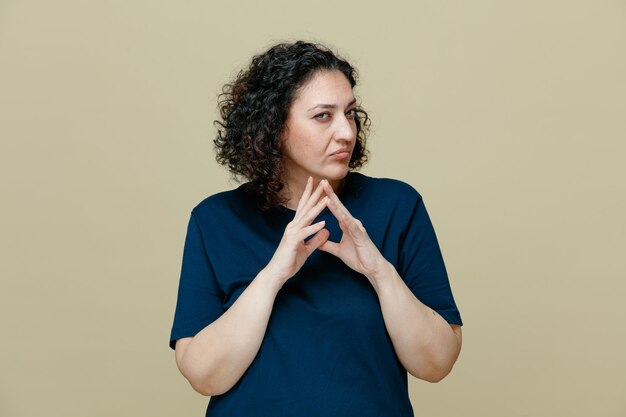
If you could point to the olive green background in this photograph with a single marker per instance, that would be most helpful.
(508, 117)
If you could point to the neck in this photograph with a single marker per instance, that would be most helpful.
(294, 187)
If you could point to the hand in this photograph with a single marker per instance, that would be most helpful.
(355, 249)
(292, 251)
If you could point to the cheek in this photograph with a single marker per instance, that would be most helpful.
(307, 146)
(307, 142)
(298, 148)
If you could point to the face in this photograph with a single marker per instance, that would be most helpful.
(320, 130)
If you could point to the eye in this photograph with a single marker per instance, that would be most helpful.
(351, 113)
(322, 116)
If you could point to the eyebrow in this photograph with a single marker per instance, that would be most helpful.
(330, 106)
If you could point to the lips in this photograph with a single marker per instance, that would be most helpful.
(341, 155)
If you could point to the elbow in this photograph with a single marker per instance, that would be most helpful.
(432, 375)
(207, 389)
(210, 383)
(202, 384)
(201, 389)
(431, 370)
(202, 381)
(437, 368)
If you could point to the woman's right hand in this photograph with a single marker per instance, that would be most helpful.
(292, 251)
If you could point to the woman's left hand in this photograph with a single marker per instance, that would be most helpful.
(355, 249)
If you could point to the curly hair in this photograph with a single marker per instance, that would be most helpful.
(254, 108)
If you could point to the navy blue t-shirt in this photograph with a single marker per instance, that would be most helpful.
(326, 351)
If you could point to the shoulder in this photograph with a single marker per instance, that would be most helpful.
(224, 203)
(388, 189)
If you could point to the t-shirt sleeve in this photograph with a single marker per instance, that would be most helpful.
(422, 266)
(199, 301)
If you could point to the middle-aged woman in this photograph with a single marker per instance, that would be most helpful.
(311, 289)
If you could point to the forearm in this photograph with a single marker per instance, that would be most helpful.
(219, 354)
(423, 340)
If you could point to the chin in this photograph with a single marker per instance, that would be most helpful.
(336, 174)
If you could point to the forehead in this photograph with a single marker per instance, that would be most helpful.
(330, 87)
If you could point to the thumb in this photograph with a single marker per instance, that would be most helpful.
(316, 241)
(330, 247)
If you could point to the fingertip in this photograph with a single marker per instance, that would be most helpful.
(324, 234)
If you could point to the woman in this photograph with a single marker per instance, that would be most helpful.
(311, 289)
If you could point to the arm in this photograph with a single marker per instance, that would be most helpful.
(218, 355)
(216, 358)
(425, 343)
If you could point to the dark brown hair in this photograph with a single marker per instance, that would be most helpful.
(254, 108)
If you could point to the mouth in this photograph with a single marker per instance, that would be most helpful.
(341, 154)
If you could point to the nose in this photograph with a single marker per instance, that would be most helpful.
(345, 129)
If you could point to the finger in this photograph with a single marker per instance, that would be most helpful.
(354, 226)
(354, 229)
(340, 215)
(306, 193)
(330, 247)
(341, 219)
(316, 241)
(309, 230)
(335, 205)
(312, 200)
(314, 211)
